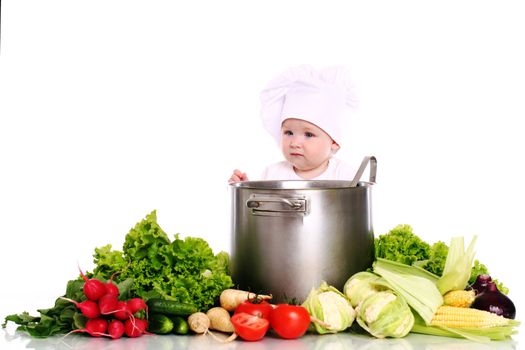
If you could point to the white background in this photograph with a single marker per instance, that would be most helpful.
(110, 109)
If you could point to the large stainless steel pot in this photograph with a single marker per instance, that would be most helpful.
(288, 236)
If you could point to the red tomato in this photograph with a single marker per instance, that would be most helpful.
(290, 321)
(261, 309)
(250, 327)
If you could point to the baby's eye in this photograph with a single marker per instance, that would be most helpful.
(308, 134)
(288, 133)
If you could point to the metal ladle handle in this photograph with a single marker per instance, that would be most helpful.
(373, 169)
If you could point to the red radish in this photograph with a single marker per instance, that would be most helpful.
(95, 327)
(111, 288)
(122, 313)
(116, 329)
(136, 304)
(93, 288)
(108, 304)
(89, 308)
(135, 327)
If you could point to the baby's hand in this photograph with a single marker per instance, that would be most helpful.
(238, 176)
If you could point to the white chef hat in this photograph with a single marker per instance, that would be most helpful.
(322, 97)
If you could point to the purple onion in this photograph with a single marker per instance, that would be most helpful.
(492, 300)
(480, 285)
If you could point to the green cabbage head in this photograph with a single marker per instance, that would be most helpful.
(385, 314)
(330, 306)
(360, 286)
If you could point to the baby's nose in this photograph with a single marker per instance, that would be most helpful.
(294, 143)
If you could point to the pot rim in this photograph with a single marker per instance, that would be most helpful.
(297, 184)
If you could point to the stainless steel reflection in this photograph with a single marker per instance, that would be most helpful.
(288, 236)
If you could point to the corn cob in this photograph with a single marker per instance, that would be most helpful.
(459, 298)
(461, 317)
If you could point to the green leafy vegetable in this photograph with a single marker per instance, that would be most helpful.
(385, 314)
(416, 285)
(437, 258)
(150, 265)
(56, 320)
(63, 317)
(360, 286)
(402, 245)
(332, 307)
(183, 270)
(458, 266)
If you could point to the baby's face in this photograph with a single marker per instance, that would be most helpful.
(305, 145)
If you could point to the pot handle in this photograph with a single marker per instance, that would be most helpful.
(261, 204)
(373, 169)
(256, 203)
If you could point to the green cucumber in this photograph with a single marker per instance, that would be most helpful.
(160, 324)
(170, 307)
(180, 325)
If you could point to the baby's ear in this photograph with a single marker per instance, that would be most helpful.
(335, 146)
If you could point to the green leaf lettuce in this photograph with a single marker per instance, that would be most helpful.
(184, 270)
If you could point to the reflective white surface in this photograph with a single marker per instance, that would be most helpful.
(17, 340)
(111, 110)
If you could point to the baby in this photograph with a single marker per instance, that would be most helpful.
(306, 110)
